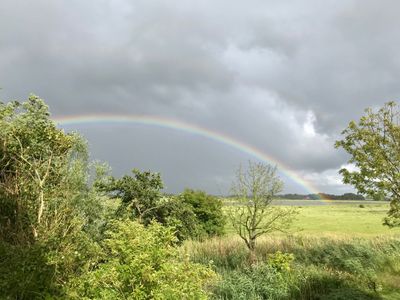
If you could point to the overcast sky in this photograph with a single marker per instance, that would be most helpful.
(283, 76)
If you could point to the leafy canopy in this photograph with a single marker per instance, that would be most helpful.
(374, 147)
(44, 203)
(140, 194)
(35, 161)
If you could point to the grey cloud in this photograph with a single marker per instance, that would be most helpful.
(251, 70)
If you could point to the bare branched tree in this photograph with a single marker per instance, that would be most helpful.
(254, 216)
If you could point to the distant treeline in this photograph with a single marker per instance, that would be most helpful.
(346, 196)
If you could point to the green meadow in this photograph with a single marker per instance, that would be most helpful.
(343, 219)
(337, 250)
(346, 218)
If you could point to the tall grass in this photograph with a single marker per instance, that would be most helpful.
(330, 267)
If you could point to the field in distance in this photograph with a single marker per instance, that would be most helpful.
(338, 217)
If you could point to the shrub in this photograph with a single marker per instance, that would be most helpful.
(25, 273)
(142, 263)
(208, 212)
(281, 261)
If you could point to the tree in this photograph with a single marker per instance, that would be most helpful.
(140, 194)
(253, 216)
(374, 147)
(35, 160)
(44, 212)
(193, 214)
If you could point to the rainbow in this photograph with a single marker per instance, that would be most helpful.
(69, 120)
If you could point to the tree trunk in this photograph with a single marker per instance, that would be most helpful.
(252, 248)
(40, 209)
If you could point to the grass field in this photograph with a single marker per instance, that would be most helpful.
(348, 219)
(339, 249)
(345, 218)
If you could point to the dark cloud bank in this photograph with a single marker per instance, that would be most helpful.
(283, 76)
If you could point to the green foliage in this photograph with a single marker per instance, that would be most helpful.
(193, 214)
(280, 261)
(42, 268)
(34, 164)
(96, 207)
(223, 253)
(326, 284)
(140, 194)
(46, 204)
(25, 272)
(262, 281)
(142, 263)
(310, 268)
(180, 215)
(208, 211)
(374, 147)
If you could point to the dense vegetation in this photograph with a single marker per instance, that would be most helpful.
(303, 268)
(66, 235)
(70, 230)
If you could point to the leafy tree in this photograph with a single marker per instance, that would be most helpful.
(34, 157)
(194, 214)
(95, 207)
(140, 194)
(43, 203)
(179, 215)
(253, 216)
(374, 147)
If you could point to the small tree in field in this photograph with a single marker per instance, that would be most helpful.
(254, 190)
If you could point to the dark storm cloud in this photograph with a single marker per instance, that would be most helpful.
(283, 76)
(345, 60)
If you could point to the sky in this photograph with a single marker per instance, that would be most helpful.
(284, 77)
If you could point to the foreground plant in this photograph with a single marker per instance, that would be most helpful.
(143, 263)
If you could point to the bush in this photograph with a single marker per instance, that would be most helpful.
(281, 261)
(25, 272)
(208, 211)
(142, 263)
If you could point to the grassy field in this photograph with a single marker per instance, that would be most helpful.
(337, 250)
(344, 218)
(348, 219)
(335, 267)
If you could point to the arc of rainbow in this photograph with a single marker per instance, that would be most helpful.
(163, 122)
